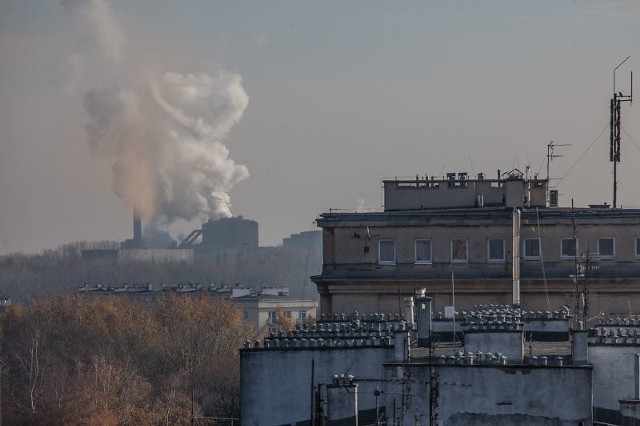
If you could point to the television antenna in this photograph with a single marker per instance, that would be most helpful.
(614, 127)
(551, 154)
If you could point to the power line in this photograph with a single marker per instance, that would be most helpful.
(606, 126)
(630, 138)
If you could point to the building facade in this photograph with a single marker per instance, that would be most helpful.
(268, 310)
(473, 241)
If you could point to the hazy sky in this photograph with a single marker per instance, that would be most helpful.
(341, 94)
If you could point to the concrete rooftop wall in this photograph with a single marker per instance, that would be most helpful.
(489, 395)
(613, 377)
(276, 384)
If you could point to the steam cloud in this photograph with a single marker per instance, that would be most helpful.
(164, 132)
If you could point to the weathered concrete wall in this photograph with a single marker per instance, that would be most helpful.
(489, 395)
(398, 197)
(425, 194)
(509, 343)
(630, 412)
(342, 404)
(276, 384)
(613, 378)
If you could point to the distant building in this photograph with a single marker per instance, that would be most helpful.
(263, 309)
(227, 236)
(306, 240)
(483, 237)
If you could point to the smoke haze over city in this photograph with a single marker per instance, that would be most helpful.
(278, 112)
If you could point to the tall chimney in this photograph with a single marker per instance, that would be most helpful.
(137, 229)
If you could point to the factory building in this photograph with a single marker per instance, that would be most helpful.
(472, 241)
(306, 240)
(228, 236)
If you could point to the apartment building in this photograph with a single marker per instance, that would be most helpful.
(480, 241)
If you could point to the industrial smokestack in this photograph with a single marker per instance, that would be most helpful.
(163, 132)
(137, 229)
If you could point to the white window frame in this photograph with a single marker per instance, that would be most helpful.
(302, 315)
(524, 249)
(568, 257)
(415, 252)
(466, 248)
(637, 247)
(272, 317)
(504, 251)
(607, 256)
(386, 261)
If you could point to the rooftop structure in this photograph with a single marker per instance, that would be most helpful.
(512, 189)
(364, 369)
(499, 241)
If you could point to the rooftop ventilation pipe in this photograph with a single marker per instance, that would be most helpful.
(408, 312)
(579, 347)
(516, 258)
(423, 315)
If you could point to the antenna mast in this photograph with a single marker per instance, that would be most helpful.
(550, 156)
(614, 127)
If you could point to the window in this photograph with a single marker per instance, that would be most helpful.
(637, 247)
(423, 251)
(495, 249)
(387, 252)
(287, 314)
(532, 248)
(459, 250)
(273, 318)
(568, 248)
(606, 247)
(246, 315)
(302, 315)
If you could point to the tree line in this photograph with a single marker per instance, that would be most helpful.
(107, 360)
(63, 270)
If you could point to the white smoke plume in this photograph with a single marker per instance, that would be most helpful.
(97, 16)
(164, 132)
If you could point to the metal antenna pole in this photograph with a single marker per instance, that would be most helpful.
(550, 156)
(614, 72)
(614, 123)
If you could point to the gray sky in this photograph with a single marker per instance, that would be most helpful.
(341, 95)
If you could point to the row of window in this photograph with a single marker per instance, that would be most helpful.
(459, 250)
(273, 316)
